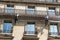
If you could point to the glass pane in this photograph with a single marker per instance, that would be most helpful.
(51, 12)
(9, 10)
(30, 29)
(30, 11)
(7, 27)
(53, 30)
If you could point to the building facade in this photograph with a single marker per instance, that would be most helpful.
(29, 19)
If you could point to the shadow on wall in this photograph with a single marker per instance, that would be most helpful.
(44, 25)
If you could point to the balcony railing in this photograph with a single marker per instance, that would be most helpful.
(22, 12)
(53, 34)
(25, 12)
(9, 32)
(35, 1)
(30, 32)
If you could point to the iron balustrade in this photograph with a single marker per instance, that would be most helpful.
(4, 11)
(30, 32)
(53, 33)
(6, 32)
(22, 12)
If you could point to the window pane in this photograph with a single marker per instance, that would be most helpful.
(7, 27)
(30, 10)
(30, 28)
(53, 30)
(9, 10)
(51, 12)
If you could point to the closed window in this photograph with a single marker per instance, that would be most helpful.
(9, 9)
(7, 27)
(53, 30)
(51, 11)
(30, 10)
(30, 28)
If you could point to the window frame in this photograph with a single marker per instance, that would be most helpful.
(9, 8)
(7, 21)
(29, 8)
(51, 8)
(53, 24)
(25, 28)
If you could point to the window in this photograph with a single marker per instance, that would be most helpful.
(7, 27)
(9, 9)
(30, 28)
(51, 11)
(30, 10)
(53, 30)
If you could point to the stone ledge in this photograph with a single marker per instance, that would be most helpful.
(2, 36)
(54, 37)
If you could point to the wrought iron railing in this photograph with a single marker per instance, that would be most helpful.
(22, 12)
(28, 12)
(30, 32)
(6, 32)
(53, 33)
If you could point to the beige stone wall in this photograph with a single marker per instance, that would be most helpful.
(1, 5)
(42, 30)
(41, 10)
(18, 30)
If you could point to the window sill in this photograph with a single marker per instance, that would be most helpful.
(2, 35)
(29, 34)
(55, 37)
(5, 33)
(32, 35)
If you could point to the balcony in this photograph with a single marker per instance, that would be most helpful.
(36, 1)
(23, 12)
